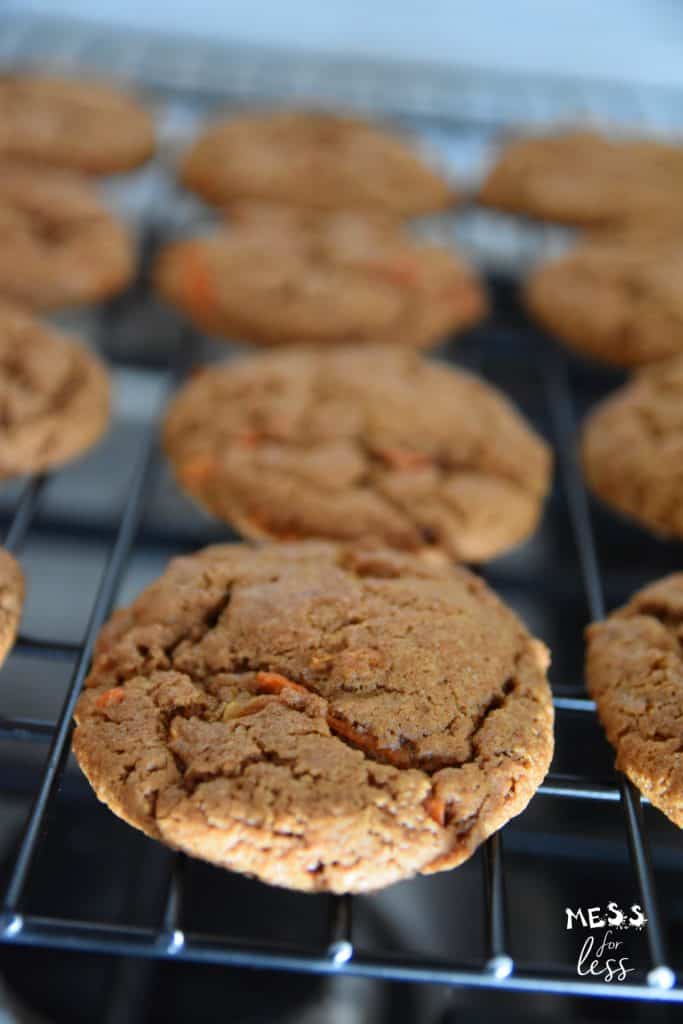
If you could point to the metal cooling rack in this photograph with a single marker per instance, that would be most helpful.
(458, 105)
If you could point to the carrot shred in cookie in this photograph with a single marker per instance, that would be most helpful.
(199, 293)
(436, 809)
(273, 682)
(404, 458)
(197, 469)
(404, 272)
(110, 697)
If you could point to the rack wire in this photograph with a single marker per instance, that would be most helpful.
(78, 44)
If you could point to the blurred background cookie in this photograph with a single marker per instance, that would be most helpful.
(12, 590)
(632, 448)
(368, 442)
(312, 159)
(617, 296)
(584, 178)
(279, 277)
(60, 245)
(54, 395)
(81, 124)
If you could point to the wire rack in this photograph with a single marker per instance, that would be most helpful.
(458, 104)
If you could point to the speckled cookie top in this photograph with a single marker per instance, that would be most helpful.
(83, 125)
(635, 673)
(632, 448)
(54, 395)
(11, 601)
(321, 716)
(312, 159)
(366, 442)
(60, 245)
(281, 277)
(617, 297)
(581, 177)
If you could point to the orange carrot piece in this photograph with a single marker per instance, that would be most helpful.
(436, 809)
(273, 682)
(110, 697)
(405, 458)
(197, 285)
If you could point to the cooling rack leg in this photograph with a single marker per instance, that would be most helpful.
(339, 945)
(498, 962)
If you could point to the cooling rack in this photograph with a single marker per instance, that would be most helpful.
(461, 113)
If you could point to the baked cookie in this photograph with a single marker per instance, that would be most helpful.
(632, 448)
(634, 671)
(281, 277)
(616, 297)
(320, 716)
(581, 177)
(312, 159)
(60, 246)
(54, 395)
(11, 601)
(83, 125)
(366, 442)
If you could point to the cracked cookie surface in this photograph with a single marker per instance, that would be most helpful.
(312, 159)
(616, 297)
(634, 671)
(320, 716)
(84, 125)
(54, 395)
(632, 448)
(282, 277)
(60, 245)
(12, 591)
(371, 442)
(583, 178)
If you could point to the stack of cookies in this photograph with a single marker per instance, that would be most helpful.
(338, 706)
(617, 297)
(60, 248)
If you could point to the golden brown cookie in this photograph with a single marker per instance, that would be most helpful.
(282, 277)
(634, 670)
(312, 159)
(11, 601)
(83, 125)
(59, 244)
(581, 177)
(366, 442)
(322, 717)
(54, 395)
(617, 297)
(632, 448)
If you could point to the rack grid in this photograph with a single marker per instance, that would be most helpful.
(78, 44)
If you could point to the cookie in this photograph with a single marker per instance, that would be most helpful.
(60, 246)
(616, 297)
(83, 125)
(312, 159)
(54, 396)
(282, 278)
(365, 442)
(634, 671)
(11, 601)
(320, 716)
(632, 448)
(583, 178)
